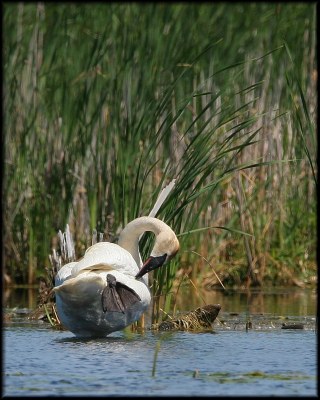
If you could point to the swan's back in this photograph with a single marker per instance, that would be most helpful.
(104, 256)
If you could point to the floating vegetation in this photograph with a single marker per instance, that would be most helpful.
(247, 377)
(263, 322)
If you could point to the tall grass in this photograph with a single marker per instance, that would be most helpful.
(106, 103)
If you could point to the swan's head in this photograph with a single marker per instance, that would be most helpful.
(166, 247)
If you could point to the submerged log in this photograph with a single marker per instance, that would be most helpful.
(292, 326)
(200, 319)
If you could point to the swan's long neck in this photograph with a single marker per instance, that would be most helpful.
(129, 237)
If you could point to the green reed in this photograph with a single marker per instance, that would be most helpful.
(105, 104)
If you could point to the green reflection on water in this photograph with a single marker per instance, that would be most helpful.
(277, 301)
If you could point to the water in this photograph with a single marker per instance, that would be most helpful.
(230, 360)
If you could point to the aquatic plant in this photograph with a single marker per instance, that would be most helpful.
(105, 104)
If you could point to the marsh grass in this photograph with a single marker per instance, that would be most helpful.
(106, 104)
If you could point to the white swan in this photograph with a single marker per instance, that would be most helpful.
(107, 289)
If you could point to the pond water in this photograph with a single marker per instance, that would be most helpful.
(229, 360)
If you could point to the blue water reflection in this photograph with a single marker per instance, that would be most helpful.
(231, 360)
(41, 361)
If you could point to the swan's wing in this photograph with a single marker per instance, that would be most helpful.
(101, 267)
(69, 271)
(79, 290)
(64, 273)
(107, 255)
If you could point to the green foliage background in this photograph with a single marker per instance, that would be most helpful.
(106, 103)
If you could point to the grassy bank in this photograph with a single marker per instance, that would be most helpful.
(104, 104)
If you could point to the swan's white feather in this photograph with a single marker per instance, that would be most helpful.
(111, 254)
(79, 285)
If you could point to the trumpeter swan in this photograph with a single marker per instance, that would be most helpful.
(107, 289)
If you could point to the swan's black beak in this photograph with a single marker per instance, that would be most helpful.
(151, 264)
